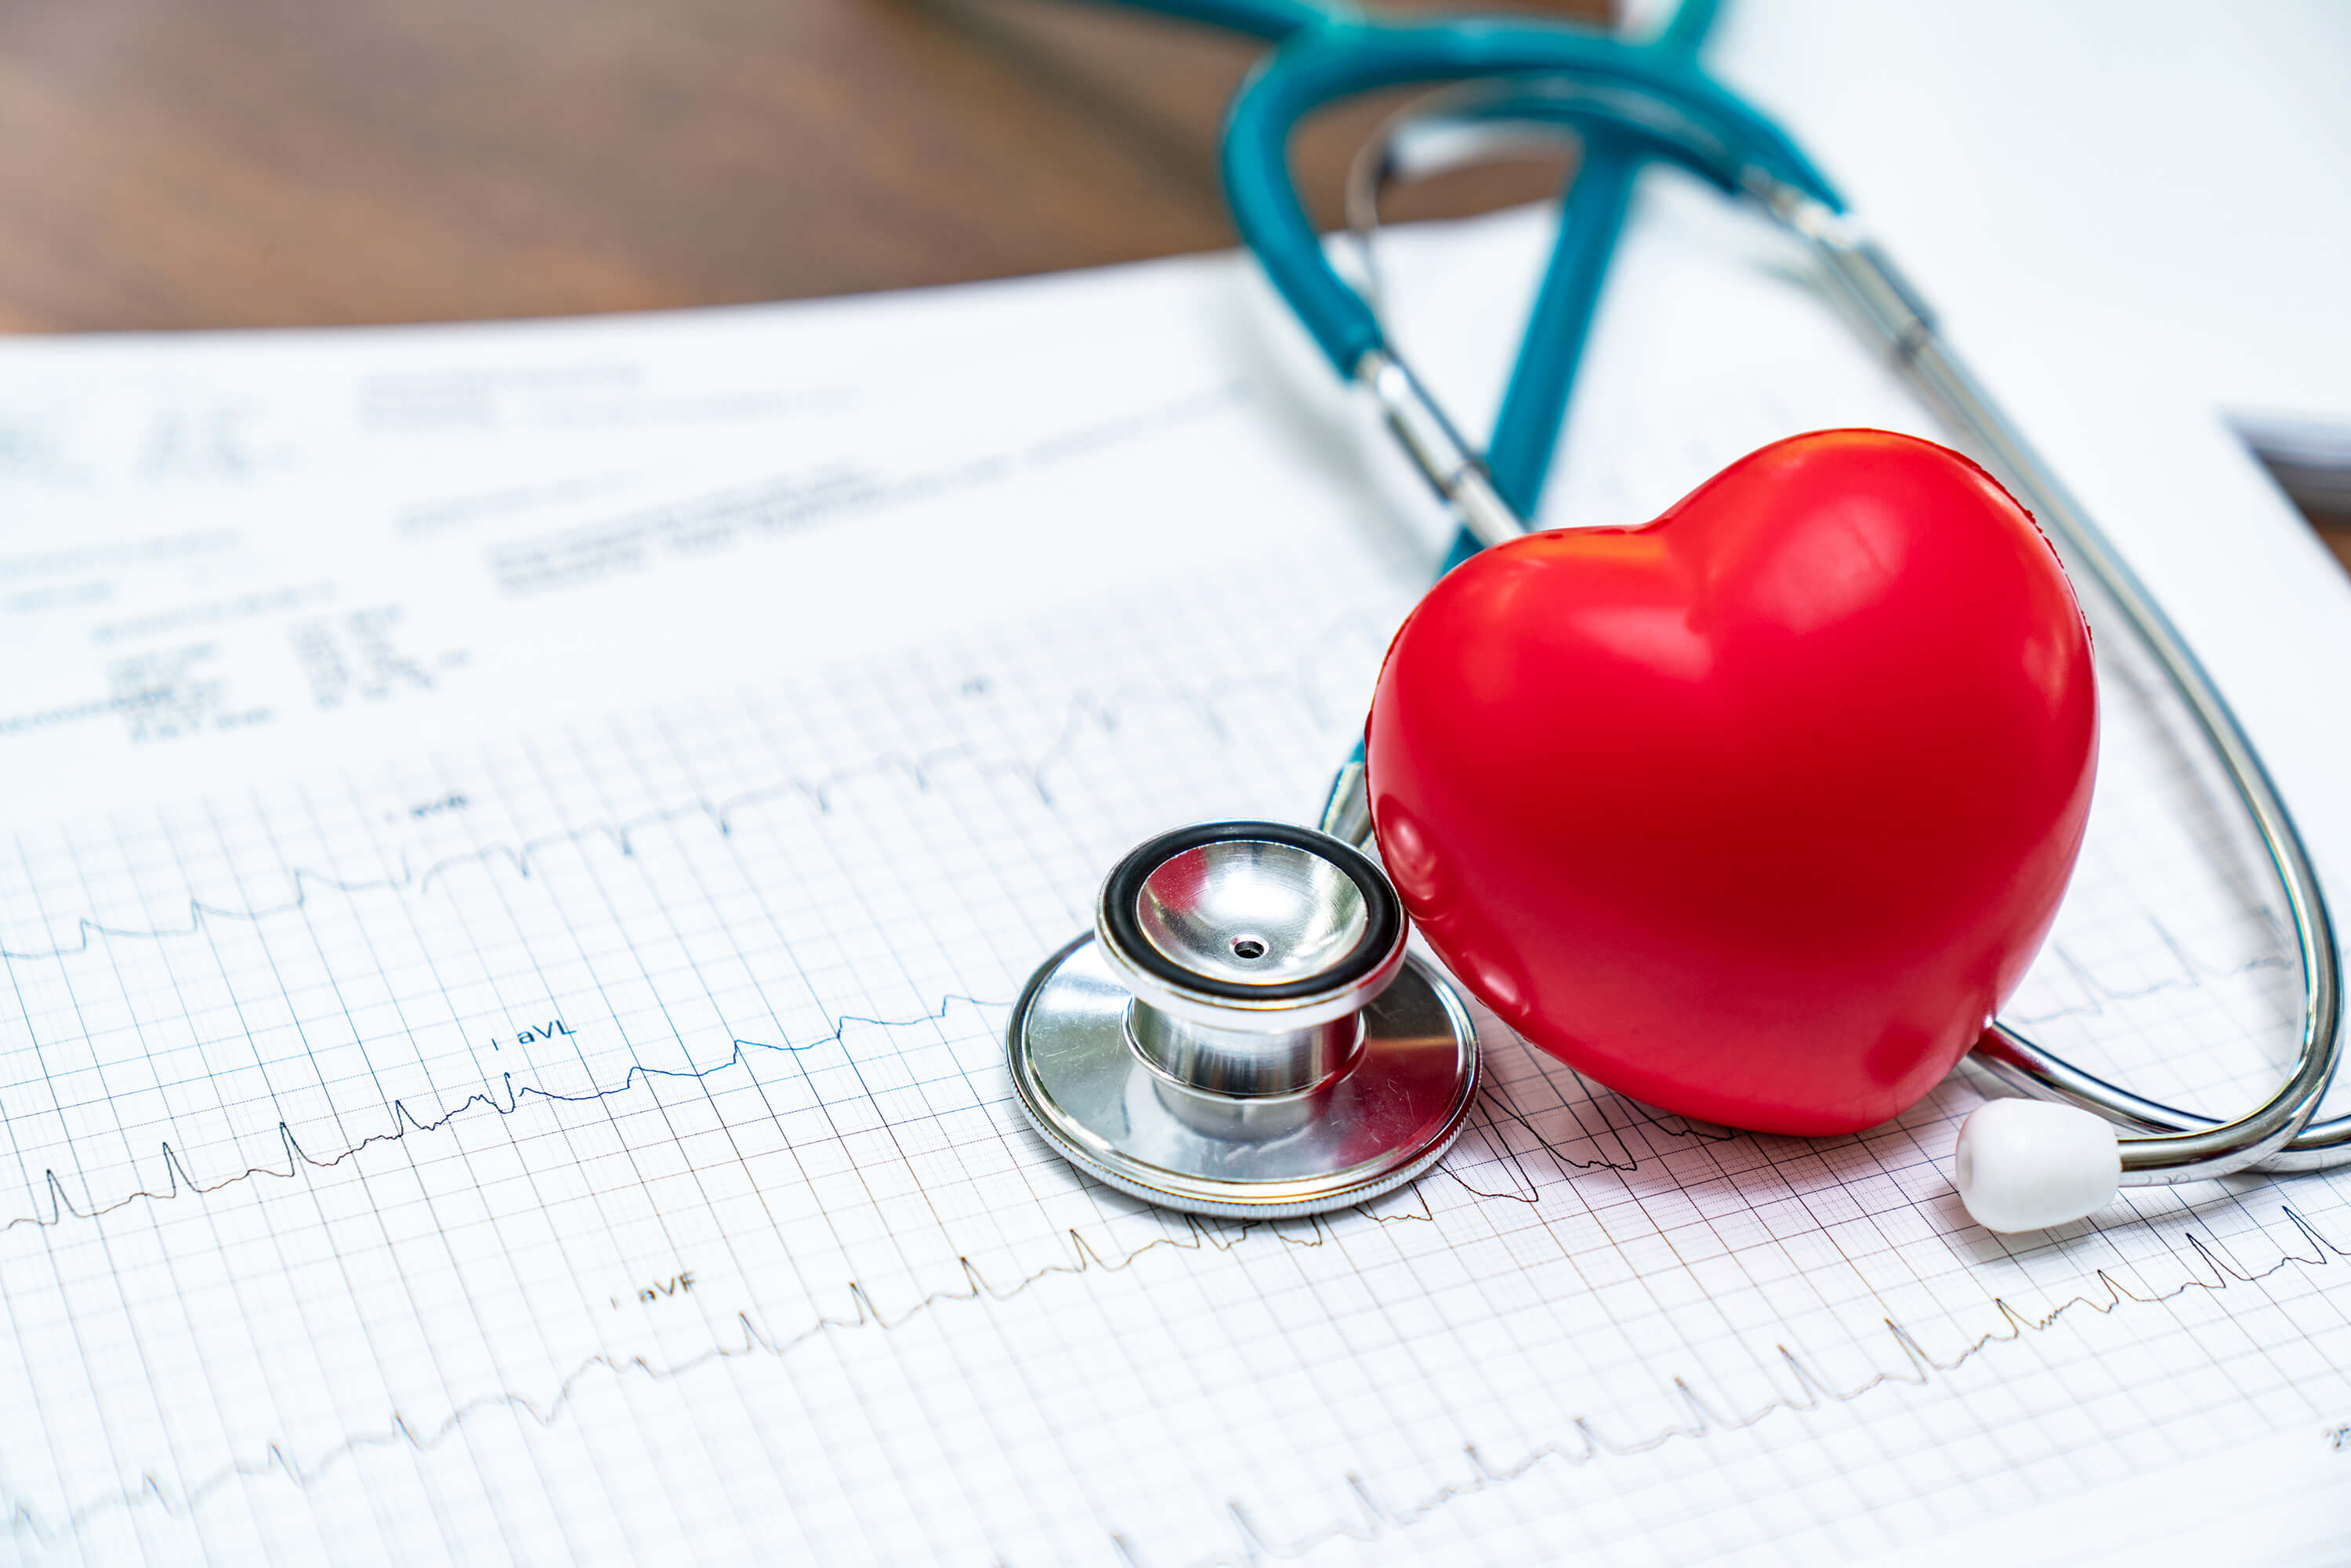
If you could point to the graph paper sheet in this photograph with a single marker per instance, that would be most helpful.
(523, 840)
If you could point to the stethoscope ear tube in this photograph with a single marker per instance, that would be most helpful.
(2172, 1145)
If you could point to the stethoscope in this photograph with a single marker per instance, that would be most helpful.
(1244, 1032)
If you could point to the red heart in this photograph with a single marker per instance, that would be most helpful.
(1759, 812)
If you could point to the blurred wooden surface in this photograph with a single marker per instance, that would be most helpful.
(170, 164)
(244, 162)
(2336, 532)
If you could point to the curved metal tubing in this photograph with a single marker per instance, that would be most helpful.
(2173, 1146)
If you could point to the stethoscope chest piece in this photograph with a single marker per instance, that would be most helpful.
(1242, 1033)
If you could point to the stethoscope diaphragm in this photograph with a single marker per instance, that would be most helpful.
(1243, 1033)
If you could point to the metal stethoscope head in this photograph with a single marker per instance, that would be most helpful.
(1243, 1032)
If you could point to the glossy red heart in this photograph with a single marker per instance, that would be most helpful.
(1756, 813)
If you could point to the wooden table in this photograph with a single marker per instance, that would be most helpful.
(262, 162)
(169, 163)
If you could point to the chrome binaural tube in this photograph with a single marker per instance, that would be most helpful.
(2170, 1146)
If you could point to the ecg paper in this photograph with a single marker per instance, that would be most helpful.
(524, 841)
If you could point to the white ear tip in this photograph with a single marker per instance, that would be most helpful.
(2026, 1165)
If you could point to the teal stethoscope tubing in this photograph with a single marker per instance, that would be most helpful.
(1326, 57)
(1630, 104)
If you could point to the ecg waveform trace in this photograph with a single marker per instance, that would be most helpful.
(1589, 1443)
(1507, 1136)
(1086, 715)
(780, 979)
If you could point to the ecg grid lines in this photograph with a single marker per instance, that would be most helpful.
(306, 1229)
